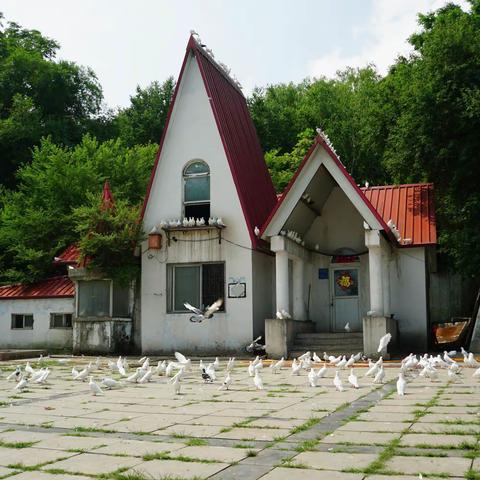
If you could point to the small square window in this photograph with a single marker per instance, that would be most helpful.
(60, 320)
(21, 321)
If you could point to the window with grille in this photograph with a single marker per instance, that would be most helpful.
(198, 284)
(22, 320)
(93, 298)
(196, 190)
(60, 320)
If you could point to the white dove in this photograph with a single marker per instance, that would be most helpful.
(140, 362)
(357, 357)
(296, 367)
(21, 384)
(83, 374)
(337, 381)
(44, 377)
(94, 388)
(353, 380)
(182, 360)
(334, 360)
(277, 366)
(161, 367)
(169, 369)
(28, 369)
(401, 383)
(347, 327)
(384, 342)
(15, 374)
(176, 385)
(226, 383)
(205, 315)
(216, 363)
(476, 373)
(133, 378)
(147, 376)
(230, 364)
(350, 361)
(109, 383)
(379, 377)
(211, 371)
(251, 369)
(322, 371)
(257, 381)
(342, 363)
(373, 370)
(304, 356)
(316, 358)
(312, 378)
(75, 373)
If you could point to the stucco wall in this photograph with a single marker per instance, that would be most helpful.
(409, 297)
(192, 134)
(41, 336)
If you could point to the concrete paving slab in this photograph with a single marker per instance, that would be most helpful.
(266, 434)
(30, 456)
(363, 438)
(430, 465)
(413, 440)
(305, 474)
(176, 469)
(219, 454)
(37, 475)
(374, 426)
(137, 448)
(93, 464)
(334, 461)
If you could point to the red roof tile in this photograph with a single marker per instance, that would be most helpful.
(69, 256)
(107, 197)
(242, 147)
(55, 287)
(410, 207)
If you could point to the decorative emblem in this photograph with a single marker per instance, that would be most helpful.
(345, 281)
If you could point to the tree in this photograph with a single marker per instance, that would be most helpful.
(40, 96)
(434, 135)
(36, 220)
(143, 121)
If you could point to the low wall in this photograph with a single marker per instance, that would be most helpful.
(280, 335)
(102, 335)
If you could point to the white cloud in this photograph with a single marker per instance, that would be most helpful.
(387, 30)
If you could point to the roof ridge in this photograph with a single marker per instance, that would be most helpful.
(221, 67)
(398, 185)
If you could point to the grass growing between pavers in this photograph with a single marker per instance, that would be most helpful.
(179, 458)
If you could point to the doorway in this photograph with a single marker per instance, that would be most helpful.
(345, 302)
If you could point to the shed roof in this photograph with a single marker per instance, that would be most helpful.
(242, 147)
(410, 207)
(55, 287)
(69, 256)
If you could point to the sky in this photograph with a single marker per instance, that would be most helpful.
(134, 42)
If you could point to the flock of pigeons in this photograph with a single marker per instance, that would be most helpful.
(411, 367)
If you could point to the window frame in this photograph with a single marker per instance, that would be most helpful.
(185, 177)
(12, 327)
(171, 285)
(64, 314)
(111, 288)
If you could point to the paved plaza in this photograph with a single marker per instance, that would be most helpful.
(60, 431)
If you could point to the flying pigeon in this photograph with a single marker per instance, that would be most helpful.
(347, 327)
(208, 313)
(384, 342)
(256, 230)
(182, 360)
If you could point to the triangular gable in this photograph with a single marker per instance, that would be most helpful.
(242, 147)
(298, 184)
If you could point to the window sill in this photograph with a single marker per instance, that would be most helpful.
(21, 328)
(61, 328)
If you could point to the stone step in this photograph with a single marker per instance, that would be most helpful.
(338, 341)
(295, 353)
(330, 336)
(357, 347)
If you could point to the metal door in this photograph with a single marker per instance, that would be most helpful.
(345, 299)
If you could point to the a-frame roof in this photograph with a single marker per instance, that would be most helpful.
(242, 148)
(340, 175)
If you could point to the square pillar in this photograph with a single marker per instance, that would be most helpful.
(376, 273)
(299, 289)
(281, 280)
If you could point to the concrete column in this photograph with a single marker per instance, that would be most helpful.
(386, 283)
(281, 280)
(375, 265)
(298, 289)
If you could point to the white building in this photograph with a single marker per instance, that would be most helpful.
(327, 252)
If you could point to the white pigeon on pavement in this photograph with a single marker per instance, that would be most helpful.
(380, 376)
(15, 374)
(226, 383)
(210, 370)
(472, 361)
(350, 361)
(373, 370)
(184, 361)
(257, 381)
(296, 367)
(337, 382)
(342, 363)
(357, 357)
(401, 383)
(147, 376)
(230, 364)
(316, 358)
(29, 369)
(353, 380)
(135, 376)
(161, 367)
(322, 371)
(312, 378)
(169, 369)
(94, 388)
(334, 360)
(305, 356)
(251, 369)
(82, 375)
(384, 341)
(21, 384)
(216, 363)
(176, 385)
(109, 383)
(277, 366)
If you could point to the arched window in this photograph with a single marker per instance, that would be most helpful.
(196, 190)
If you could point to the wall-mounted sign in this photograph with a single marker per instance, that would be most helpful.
(323, 273)
(237, 290)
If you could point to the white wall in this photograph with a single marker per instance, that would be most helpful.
(192, 134)
(408, 289)
(41, 336)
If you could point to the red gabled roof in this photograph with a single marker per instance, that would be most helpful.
(55, 287)
(69, 256)
(107, 198)
(242, 147)
(411, 207)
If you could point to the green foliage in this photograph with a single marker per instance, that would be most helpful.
(143, 121)
(108, 237)
(40, 96)
(37, 221)
(283, 166)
